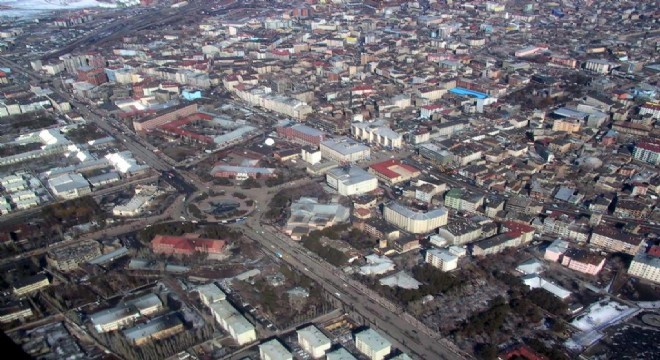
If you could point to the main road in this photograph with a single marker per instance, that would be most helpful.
(389, 321)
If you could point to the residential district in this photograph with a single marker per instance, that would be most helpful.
(430, 179)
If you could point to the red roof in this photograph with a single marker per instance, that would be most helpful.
(517, 227)
(383, 168)
(521, 352)
(654, 251)
(650, 146)
(185, 245)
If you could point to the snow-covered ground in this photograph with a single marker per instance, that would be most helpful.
(601, 313)
(597, 317)
(29, 8)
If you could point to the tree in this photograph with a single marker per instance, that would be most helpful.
(485, 351)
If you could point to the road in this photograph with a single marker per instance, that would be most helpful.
(379, 312)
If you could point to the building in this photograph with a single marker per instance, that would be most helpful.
(14, 312)
(340, 354)
(182, 245)
(241, 330)
(646, 266)
(442, 259)
(416, 222)
(312, 155)
(556, 250)
(69, 185)
(68, 258)
(155, 329)
(566, 125)
(599, 66)
(377, 133)
(313, 341)
(460, 231)
(302, 133)
(351, 180)
(344, 150)
(463, 200)
(372, 344)
(308, 214)
(583, 261)
(210, 293)
(614, 240)
(648, 151)
(30, 284)
(274, 350)
(164, 117)
(242, 172)
(393, 171)
(125, 313)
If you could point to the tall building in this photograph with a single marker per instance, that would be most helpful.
(648, 151)
(416, 222)
(646, 266)
(614, 240)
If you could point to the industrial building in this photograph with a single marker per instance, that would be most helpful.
(155, 329)
(68, 258)
(125, 313)
(30, 284)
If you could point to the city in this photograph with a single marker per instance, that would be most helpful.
(330, 179)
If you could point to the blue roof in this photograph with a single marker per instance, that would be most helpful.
(472, 93)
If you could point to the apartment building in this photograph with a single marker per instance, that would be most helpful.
(614, 240)
(372, 344)
(377, 133)
(416, 222)
(274, 350)
(232, 321)
(30, 284)
(463, 200)
(646, 266)
(460, 231)
(648, 151)
(313, 341)
(302, 133)
(583, 261)
(442, 259)
(68, 258)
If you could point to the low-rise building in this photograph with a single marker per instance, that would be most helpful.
(340, 354)
(125, 313)
(377, 133)
(232, 321)
(463, 200)
(372, 344)
(182, 245)
(274, 350)
(556, 250)
(313, 341)
(351, 180)
(460, 231)
(13, 312)
(583, 261)
(442, 259)
(30, 284)
(393, 171)
(210, 293)
(155, 329)
(302, 133)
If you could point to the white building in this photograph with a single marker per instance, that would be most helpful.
(377, 133)
(344, 150)
(313, 341)
(69, 185)
(351, 180)
(442, 259)
(372, 344)
(340, 354)
(241, 330)
(274, 350)
(416, 222)
(210, 293)
(124, 162)
(311, 155)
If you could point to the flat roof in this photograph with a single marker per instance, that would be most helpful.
(275, 350)
(417, 215)
(373, 339)
(314, 336)
(154, 326)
